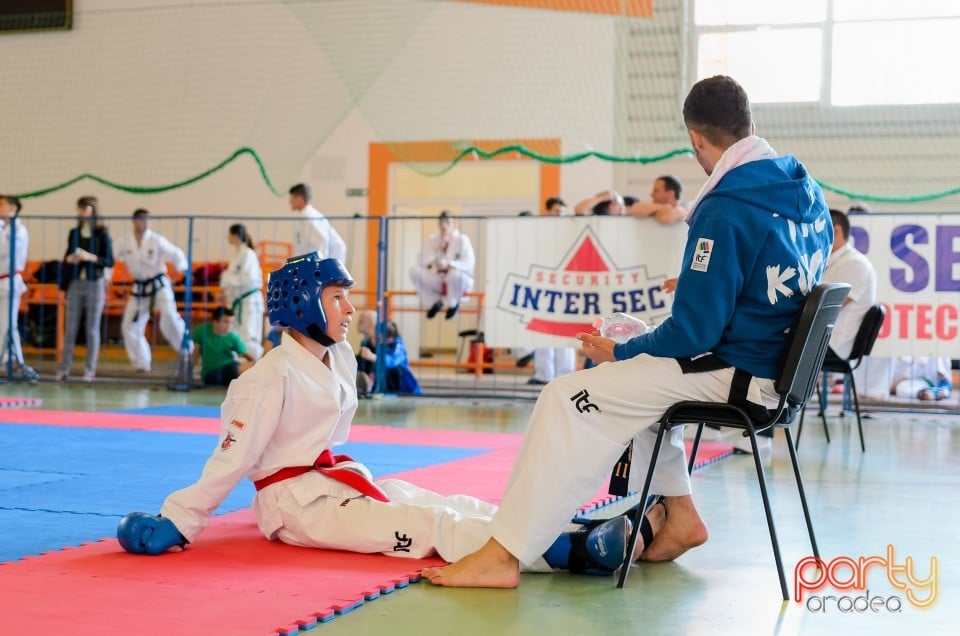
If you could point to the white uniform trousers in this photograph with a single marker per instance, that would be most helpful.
(429, 284)
(552, 363)
(417, 523)
(874, 377)
(248, 324)
(9, 320)
(135, 317)
(579, 428)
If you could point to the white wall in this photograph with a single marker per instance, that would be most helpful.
(153, 92)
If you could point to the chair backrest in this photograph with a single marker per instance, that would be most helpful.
(808, 342)
(868, 332)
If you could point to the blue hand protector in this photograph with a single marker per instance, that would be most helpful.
(142, 533)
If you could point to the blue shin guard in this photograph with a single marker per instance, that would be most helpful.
(598, 548)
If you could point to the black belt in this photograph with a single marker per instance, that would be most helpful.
(739, 387)
(148, 287)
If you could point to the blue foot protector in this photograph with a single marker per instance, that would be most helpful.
(943, 389)
(598, 549)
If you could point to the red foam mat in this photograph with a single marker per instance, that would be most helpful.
(125, 421)
(17, 402)
(232, 580)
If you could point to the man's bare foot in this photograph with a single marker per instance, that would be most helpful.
(656, 517)
(682, 530)
(490, 566)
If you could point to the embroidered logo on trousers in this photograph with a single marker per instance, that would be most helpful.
(582, 401)
(403, 542)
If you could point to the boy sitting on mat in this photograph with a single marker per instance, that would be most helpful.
(280, 422)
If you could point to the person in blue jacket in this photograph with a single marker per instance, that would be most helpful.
(758, 241)
(397, 375)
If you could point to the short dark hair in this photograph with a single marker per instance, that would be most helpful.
(301, 190)
(672, 184)
(552, 201)
(140, 212)
(629, 200)
(859, 208)
(718, 108)
(602, 208)
(89, 202)
(391, 330)
(220, 312)
(14, 201)
(839, 218)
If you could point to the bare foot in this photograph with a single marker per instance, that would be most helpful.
(656, 516)
(682, 530)
(490, 566)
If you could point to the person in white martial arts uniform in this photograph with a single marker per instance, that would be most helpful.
(848, 265)
(280, 422)
(552, 362)
(241, 283)
(314, 233)
(924, 378)
(444, 271)
(12, 229)
(758, 242)
(146, 253)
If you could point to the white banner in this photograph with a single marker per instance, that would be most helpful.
(551, 277)
(917, 258)
(548, 277)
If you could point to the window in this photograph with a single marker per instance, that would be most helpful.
(839, 52)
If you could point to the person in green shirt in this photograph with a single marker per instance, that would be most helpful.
(219, 348)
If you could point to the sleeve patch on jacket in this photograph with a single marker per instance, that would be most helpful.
(701, 256)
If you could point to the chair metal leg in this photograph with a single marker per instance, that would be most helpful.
(625, 568)
(803, 411)
(856, 406)
(823, 414)
(823, 390)
(766, 508)
(802, 490)
(693, 451)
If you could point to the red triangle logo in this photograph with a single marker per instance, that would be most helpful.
(587, 259)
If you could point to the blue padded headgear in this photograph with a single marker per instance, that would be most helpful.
(293, 294)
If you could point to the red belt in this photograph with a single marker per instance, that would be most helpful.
(2, 276)
(443, 281)
(326, 464)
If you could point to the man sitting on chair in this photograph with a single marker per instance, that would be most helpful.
(758, 242)
(444, 272)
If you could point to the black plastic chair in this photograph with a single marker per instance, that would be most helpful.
(862, 346)
(795, 382)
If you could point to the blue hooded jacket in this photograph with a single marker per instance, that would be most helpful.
(757, 244)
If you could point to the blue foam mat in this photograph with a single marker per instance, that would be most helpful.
(61, 486)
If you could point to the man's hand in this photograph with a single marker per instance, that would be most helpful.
(596, 347)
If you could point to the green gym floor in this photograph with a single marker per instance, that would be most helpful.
(902, 493)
